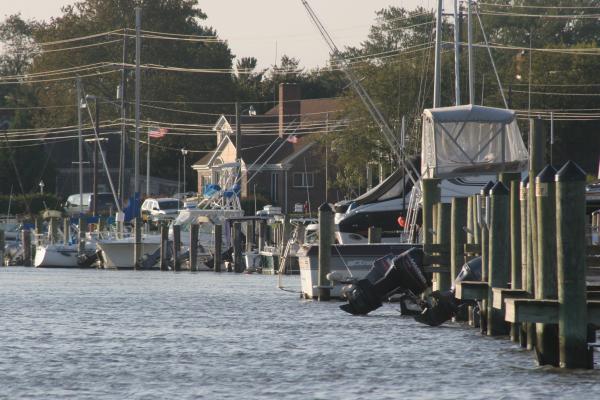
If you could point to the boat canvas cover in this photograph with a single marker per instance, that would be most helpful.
(390, 188)
(471, 140)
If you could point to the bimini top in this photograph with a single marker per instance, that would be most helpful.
(470, 113)
(471, 140)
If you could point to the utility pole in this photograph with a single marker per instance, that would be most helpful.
(470, 52)
(326, 159)
(456, 55)
(80, 145)
(138, 88)
(438, 55)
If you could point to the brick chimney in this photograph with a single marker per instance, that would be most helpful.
(289, 105)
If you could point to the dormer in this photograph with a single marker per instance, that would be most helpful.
(223, 128)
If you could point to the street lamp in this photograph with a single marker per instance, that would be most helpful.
(184, 152)
(41, 185)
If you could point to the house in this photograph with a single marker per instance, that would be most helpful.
(280, 156)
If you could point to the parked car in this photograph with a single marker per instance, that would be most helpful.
(105, 204)
(156, 210)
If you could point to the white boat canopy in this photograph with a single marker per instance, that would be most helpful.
(471, 140)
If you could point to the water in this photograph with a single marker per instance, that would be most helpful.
(93, 334)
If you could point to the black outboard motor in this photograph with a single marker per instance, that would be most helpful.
(441, 306)
(404, 274)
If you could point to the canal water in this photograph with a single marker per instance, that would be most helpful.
(94, 334)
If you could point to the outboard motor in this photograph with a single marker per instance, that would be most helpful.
(405, 273)
(441, 306)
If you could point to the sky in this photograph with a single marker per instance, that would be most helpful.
(266, 28)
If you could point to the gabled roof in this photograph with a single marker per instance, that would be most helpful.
(208, 158)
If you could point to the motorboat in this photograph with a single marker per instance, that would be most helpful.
(347, 261)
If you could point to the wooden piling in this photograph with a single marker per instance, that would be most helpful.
(26, 240)
(218, 237)
(176, 247)
(524, 253)
(248, 232)
(512, 182)
(2, 244)
(194, 229)
(431, 196)
(458, 236)
(164, 243)
(81, 240)
(499, 255)
(470, 221)
(137, 247)
(442, 280)
(546, 276)
(52, 230)
(571, 261)
(66, 230)
(484, 209)
(238, 259)
(325, 243)
(476, 222)
(262, 230)
(374, 235)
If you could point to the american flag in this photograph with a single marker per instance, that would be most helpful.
(157, 133)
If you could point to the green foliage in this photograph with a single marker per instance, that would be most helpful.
(37, 203)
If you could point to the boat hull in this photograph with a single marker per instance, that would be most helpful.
(58, 256)
(353, 260)
(119, 254)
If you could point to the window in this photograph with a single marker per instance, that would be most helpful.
(274, 187)
(304, 179)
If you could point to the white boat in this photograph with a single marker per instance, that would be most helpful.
(60, 255)
(118, 253)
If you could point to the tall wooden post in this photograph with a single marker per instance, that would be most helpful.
(571, 260)
(194, 247)
(137, 247)
(2, 244)
(26, 240)
(325, 243)
(262, 227)
(476, 222)
(431, 196)
(512, 181)
(248, 231)
(52, 230)
(218, 237)
(82, 229)
(484, 209)
(176, 247)
(470, 221)
(499, 255)
(442, 280)
(164, 243)
(66, 230)
(546, 275)
(238, 260)
(526, 328)
(458, 236)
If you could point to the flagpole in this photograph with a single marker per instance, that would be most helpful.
(148, 166)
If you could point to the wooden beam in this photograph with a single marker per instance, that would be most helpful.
(501, 294)
(543, 311)
(471, 290)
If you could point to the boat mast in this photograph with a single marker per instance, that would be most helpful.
(456, 55)
(80, 146)
(438, 56)
(470, 52)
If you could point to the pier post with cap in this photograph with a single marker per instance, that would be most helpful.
(176, 247)
(571, 261)
(218, 237)
(66, 230)
(193, 252)
(164, 244)
(442, 280)
(237, 248)
(546, 274)
(484, 212)
(137, 247)
(26, 240)
(325, 243)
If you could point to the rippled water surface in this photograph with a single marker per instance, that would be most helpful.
(92, 334)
